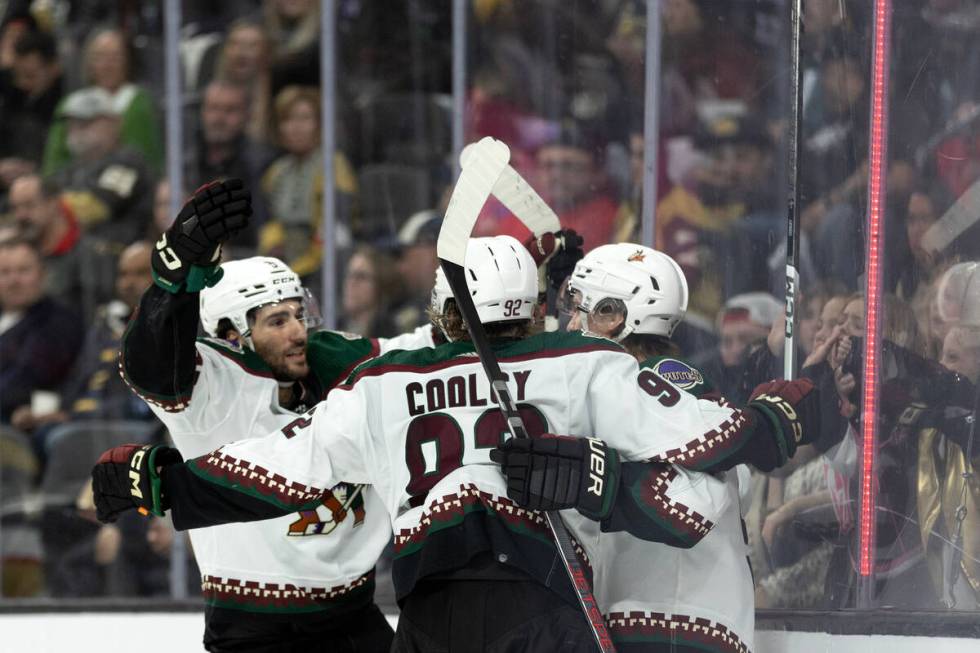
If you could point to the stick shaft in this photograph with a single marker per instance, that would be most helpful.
(456, 276)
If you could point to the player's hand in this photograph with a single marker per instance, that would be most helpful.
(569, 252)
(555, 472)
(186, 256)
(125, 478)
(795, 405)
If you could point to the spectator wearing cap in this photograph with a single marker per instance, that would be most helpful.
(293, 185)
(39, 338)
(571, 180)
(29, 93)
(79, 266)
(703, 223)
(106, 184)
(417, 261)
(108, 67)
(743, 324)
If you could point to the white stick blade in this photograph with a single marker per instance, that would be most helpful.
(960, 217)
(523, 201)
(482, 163)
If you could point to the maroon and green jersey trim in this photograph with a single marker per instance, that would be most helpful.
(686, 526)
(656, 632)
(275, 598)
(229, 472)
(543, 345)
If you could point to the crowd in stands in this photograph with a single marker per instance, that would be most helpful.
(83, 197)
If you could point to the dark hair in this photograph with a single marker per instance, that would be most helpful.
(224, 326)
(20, 241)
(450, 322)
(648, 345)
(40, 43)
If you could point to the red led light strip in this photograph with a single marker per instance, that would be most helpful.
(877, 165)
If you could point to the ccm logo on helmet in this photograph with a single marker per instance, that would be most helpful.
(134, 475)
(597, 466)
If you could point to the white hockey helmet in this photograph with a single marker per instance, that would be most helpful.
(249, 284)
(502, 278)
(646, 284)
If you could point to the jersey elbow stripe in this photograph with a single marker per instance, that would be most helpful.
(712, 447)
(679, 522)
(256, 481)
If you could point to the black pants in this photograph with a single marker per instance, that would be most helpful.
(489, 616)
(363, 631)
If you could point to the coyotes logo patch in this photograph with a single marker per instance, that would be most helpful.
(341, 500)
(637, 257)
(680, 374)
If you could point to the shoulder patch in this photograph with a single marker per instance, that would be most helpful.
(680, 374)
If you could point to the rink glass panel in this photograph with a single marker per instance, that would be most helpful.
(563, 85)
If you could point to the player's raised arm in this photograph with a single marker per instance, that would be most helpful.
(289, 470)
(158, 357)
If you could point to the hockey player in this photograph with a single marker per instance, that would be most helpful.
(657, 597)
(305, 580)
(419, 426)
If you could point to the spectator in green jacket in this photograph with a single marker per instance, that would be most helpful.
(107, 66)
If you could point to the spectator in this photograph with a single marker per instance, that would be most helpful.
(417, 264)
(702, 224)
(107, 66)
(223, 150)
(370, 283)
(244, 58)
(29, 93)
(94, 389)
(572, 182)
(79, 267)
(744, 323)
(711, 60)
(294, 30)
(163, 217)
(942, 488)
(293, 185)
(105, 184)
(39, 338)
(905, 379)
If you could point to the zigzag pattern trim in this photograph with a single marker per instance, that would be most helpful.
(276, 595)
(659, 627)
(454, 505)
(689, 521)
(710, 446)
(252, 476)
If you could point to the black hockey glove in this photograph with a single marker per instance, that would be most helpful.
(555, 472)
(793, 407)
(186, 257)
(125, 478)
(570, 252)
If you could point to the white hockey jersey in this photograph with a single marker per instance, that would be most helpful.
(321, 558)
(418, 426)
(651, 593)
(699, 598)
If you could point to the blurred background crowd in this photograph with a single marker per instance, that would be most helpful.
(83, 196)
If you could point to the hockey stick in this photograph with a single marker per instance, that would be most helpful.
(474, 186)
(793, 201)
(962, 215)
(518, 196)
